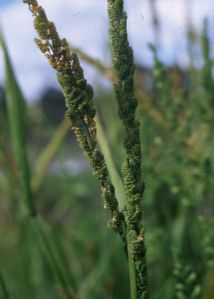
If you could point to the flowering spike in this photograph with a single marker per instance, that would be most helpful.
(122, 57)
(79, 102)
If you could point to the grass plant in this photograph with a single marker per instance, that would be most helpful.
(53, 242)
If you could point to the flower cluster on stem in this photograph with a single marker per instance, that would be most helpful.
(79, 103)
(123, 62)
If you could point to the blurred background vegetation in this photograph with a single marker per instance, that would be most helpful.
(68, 251)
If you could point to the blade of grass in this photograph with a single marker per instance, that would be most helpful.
(90, 282)
(114, 174)
(17, 120)
(50, 252)
(5, 292)
(8, 162)
(48, 154)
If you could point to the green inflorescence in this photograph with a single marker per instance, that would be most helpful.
(81, 116)
(122, 57)
(79, 102)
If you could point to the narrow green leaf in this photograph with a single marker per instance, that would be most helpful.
(4, 289)
(17, 120)
(48, 154)
(114, 174)
(53, 257)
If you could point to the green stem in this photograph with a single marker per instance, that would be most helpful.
(132, 274)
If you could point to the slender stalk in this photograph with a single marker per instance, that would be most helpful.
(132, 274)
(47, 155)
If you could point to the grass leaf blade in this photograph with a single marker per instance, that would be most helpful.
(16, 107)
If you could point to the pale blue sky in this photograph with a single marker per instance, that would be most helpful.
(85, 24)
(7, 2)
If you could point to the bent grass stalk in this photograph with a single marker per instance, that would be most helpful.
(81, 116)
